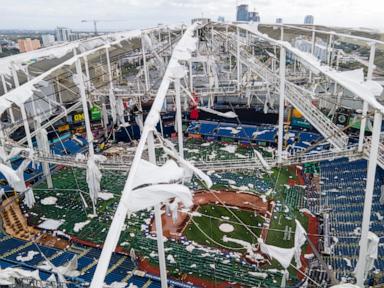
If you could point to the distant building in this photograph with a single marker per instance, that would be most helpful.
(253, 16)
(320, 48)
(27, 44)
(242, 13)
(220, 19)
(201, 20)
(63, 34)
(279, 20)
(309, 20)
(48, 39)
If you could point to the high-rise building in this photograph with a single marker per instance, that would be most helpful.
(242, 13)
(254, 16)
(48, 39)
(309, 20)
(279, 20)
(62, 34)
(27, 44)
(220, 19)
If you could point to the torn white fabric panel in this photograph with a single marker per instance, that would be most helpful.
(150, 196)
(364, 91)
(4, 105)
(9, 275)
(229, 114)
(52, 278)
(50, 224)
(120, 110)
(16, 151)
(11, 176)
(93, 178)
(3, 155)
(148, 173)
(372, 253)
(20, 170)
(58, 51)
(300, 238)
(112, 102)
(139, 122)
(187, 165)
(243, 243)
(22, 93)
(282, 255)
(262, 160)
(29, 198)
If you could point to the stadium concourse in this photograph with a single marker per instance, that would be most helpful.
(208, 155)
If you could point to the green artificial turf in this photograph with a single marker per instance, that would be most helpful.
(276, 237)
(210, 226)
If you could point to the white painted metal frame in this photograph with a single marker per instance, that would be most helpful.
(153, 117)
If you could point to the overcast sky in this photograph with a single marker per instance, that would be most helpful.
(128, 14)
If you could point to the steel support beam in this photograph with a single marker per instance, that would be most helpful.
(238, 58)
(370, 185)
(158, 222)
(179, 118)
(363, 122)
(281, 104)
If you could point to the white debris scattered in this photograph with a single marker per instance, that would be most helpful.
(228, 114)
(197, 151)
(105, 195)
(356, 231)
(9, 275)
(348, 261)
(79, 226)
(258, 133)
(80, 157)
(309, 256)
(260, 275)
(190, 248)
(28, 257)
(196, 214)
(50, 224)
(241, 156)
(229, 148)
(230, 181)
(118, 285)
(264, 198)
(49, 200)
(153, 254)
(305, 210)
(171, 259)
(242, 188)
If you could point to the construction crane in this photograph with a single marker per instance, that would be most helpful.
(95, 21)
(94, 24)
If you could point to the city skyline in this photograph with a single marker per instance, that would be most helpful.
(126, 14)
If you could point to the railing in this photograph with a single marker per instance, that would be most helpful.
(380, 156)
(123, 163)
